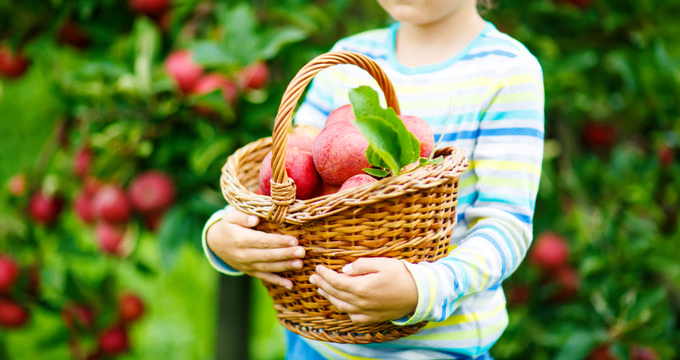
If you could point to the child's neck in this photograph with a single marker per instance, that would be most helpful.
(418, 45)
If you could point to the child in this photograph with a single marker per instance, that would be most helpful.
(479, 90)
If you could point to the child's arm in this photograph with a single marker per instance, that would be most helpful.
(249, 251)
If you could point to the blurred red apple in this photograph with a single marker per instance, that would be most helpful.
(9, 273)
(12, 65)
(148, 7)
(82, 161)
(518, 294)
(17, 185)
(44, 208)
(114, 341)
(183, 69)
(77, 316)
(130, 307)
(327, 189)
(254, 76)
(110, 203)
(12, 314)
(72, 34)
(82, 205)
(602, 352)
(110, 237)
(640, 352)
(550, 251)
(666, 155)
(599, 135)
(213, 82)
(152, 191)
(567, 282)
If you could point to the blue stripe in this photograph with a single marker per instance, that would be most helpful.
(500, 252)
(513, 115)
(473, 134)
(522, 217)
(317, 108)
(488, 53)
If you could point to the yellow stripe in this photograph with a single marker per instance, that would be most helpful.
(463, 319)
(505, 165)
(508, 183)
(433, 292)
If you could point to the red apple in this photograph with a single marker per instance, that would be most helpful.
(519, 294)
(340, 152)
(78, 316)
(327, 189)
(82, 205)
(17, 185)
(110, 237)
(130, 307)
(152, 191)
(254, 76)
(299, 167)
(344, 113)
(114, 341)
(602, 352)
(148, 7)
(12, 65)
(550, 251)
(422, 131)
(303, 136)
(640, 352)
(214, 81)
(181, 67)
(12, 314)
(82, 161)
(111, 204)
(599, 135)
(357, 180)
(44, 208)
(666, 155)
(9, 273)
(72, 34)
(567, 283)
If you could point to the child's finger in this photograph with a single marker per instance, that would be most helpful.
(278, 266)
(270, 255)
(322, 283)
(273, 278)
(341, 305)
(236, 217)
(333, 279)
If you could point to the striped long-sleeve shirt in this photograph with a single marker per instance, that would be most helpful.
(488, 100)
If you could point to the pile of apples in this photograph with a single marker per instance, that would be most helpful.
(325, 161)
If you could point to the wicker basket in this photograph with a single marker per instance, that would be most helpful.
(408, 217)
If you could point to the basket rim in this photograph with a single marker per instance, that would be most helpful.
(303, 211)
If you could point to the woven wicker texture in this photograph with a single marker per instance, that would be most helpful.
(408, 217)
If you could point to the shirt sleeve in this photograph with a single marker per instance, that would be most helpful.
(506, 166)
(213, 259)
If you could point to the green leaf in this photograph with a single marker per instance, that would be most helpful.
(171, 235)
(276, 39)
(211, 54)
(578, 345)
(391, 145)
(377, 172)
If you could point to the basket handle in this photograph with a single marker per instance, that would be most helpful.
(282, 188)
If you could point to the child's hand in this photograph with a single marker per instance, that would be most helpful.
(253, 252)
(369, 289)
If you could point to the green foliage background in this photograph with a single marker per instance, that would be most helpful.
(612, 76)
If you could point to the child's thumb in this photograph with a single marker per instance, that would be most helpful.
(239, 218)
